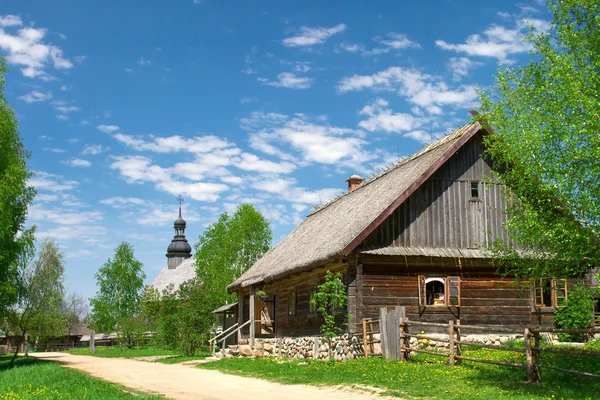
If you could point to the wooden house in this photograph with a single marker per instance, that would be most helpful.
(414, 235)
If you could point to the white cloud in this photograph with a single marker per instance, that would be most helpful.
(421, 89)
(93, 149)
(144, 61)
(288, 80)
(461, 67)
(62, 216)
(170, 144)
(316, 142)
(10, 20)
(35, 97)
(54, 150)
(250, 162)
(78, 162)
(498, 41)
(311, 36)
(62, 117)
(128, 70)
(288, 190)
(200, 191)
(107, 128)
(27, 49)
(123, 202)
(352, 47)
(381, 118)
(63, 107)
(51, 182)
(391, 42)
(137, 169)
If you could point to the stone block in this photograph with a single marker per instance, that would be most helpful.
(245, 351)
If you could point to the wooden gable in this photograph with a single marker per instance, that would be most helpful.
(458, 207)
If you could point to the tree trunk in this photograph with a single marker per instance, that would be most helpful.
(14, 357)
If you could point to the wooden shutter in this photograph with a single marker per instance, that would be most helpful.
(453, 291)
(560, 292)
(422, 291)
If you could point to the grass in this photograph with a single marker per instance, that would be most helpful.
(36, 379)
(430, 377)
(176, 356)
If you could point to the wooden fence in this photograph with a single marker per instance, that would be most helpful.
(395, 333)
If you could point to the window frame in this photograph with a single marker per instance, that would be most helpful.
(422, 282)
(537, 290)
(477, 188)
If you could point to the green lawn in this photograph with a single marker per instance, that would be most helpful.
(36, 379)
(430, 377)
(177, 357)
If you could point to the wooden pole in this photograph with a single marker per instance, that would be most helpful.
(402, 344)
(365, 338)
(385, 352)
(93, 342)
(528, 355)
(537, 357)
(451, 343)
(458, 339)
(252, 318)
(240, 314)
(406, 340)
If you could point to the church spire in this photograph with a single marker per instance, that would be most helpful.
(179, 249)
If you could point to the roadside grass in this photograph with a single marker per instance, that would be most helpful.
(110, 352)
(38, 379)
(426, 376)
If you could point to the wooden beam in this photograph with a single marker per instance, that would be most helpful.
(252, 317)
(240, 313)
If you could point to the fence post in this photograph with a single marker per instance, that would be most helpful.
(385, 347)
(537, 356)
(528, 355)
(451, 343)
(365, 338)
(402, 344)
(458, 339)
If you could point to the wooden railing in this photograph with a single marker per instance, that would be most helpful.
(533, 352)
(221, 337)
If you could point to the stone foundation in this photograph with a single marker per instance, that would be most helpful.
(345, 347)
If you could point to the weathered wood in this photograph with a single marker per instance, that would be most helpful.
(458, 341)
(566, 351)
(402, 339)
(252, 317)
(384, 339)
(433, 338)
(451, 343)
(492, 346)
(570, 371)
(507, 364)
(536, 357)
(240, 313)
(315, 347)
(529, 356)
(92, 342)
(550, 330)
(433, 353)
(365, 339)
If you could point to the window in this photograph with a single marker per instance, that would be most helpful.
(549, 292)
(436, 291)
(312, 295)
(475, 190)
(292, 303)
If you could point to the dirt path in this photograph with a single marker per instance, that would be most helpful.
(185, 382)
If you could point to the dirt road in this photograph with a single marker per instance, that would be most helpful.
(186, 382)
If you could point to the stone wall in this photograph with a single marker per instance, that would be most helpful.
(346, 347)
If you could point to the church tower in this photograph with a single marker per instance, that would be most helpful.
(179, 249)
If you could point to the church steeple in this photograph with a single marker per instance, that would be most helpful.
(179, 249)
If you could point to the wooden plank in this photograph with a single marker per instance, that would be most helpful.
(506, 364)
(451, 343)
(529, 356)
(384, 339)
(252, 326)
(365, 339)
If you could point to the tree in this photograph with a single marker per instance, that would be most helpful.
(120, 283)
(546, 146)
(39, 310)
(331, 300)
(227, 249)
(15, 198)
(76, 309)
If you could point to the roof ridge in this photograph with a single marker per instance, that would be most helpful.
(426, 149)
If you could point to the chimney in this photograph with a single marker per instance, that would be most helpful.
(353, 182)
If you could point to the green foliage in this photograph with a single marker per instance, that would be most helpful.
(39, 310)
(331, 300)
(578, 313)
(430, 377)
(15, 198)
(131, 331)
(36, 379)
(120, 283)
(227, 249)
(546, 147)
(185, 318)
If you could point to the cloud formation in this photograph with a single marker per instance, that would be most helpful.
(310, 36)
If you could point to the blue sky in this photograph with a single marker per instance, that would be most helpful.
(124, 105)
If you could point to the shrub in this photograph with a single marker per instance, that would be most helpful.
(577, 314)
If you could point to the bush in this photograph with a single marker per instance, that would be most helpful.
(577, 314)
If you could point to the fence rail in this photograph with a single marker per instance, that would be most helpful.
(395, 337)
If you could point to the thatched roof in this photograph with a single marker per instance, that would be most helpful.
(176, 276)
(335, 229)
